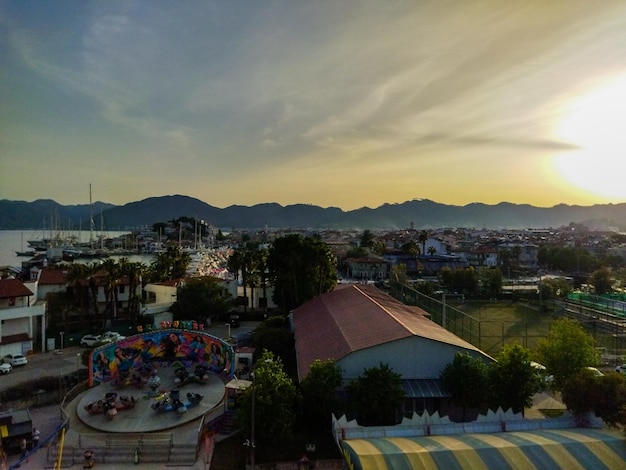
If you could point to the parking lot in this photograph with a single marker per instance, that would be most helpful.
(44, 364)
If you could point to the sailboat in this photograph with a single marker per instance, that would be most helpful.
(23, 252)
(92, 251)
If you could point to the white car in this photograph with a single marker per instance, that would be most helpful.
(595, 371)
(112, 336)
(621, 369)
(88, 341)
(5, 368)
(15, 359)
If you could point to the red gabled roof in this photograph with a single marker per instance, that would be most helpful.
(52, 276)
(355, 317)
(13, 288)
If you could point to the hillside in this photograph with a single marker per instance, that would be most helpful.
(20, 215)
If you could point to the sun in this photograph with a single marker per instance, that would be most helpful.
(595, 123)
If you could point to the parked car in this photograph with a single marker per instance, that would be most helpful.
(88, 341)
(621, 369)
(595, 371)
(5, 368)
(112, 336)
(15, 359)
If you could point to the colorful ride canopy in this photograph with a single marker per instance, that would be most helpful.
(558, 449)
(161, 347)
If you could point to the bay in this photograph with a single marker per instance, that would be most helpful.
(12, 241)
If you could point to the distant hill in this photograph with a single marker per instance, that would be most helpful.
(43, 213)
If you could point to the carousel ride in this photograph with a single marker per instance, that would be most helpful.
(184, 385)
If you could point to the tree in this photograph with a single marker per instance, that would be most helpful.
(376, 396)
(267, 406)
(491, 279)
(76, 277)
(300, 269)
(410, 248)
(422, 237)
(601, 281)
(112, 278)
(513, 379)
(604, 395)
(566, 351)
(466, 378)
(319, 393)
(610, 399)
(172, 264)
(134, 272)
(367, 239)
(398, 273)
(274, 335)
(201, 297)
(261, 264)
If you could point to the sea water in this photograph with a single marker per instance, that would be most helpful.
(12, 241)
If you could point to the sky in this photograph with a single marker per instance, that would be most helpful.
(348, 104)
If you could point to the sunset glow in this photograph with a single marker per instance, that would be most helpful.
(596, 124)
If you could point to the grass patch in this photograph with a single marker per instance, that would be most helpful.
(491, 325)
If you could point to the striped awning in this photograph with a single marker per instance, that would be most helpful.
(424, 388)
(569, 449)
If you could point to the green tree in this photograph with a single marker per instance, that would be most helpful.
(513, 379)
(376, 397)
(600, 279)
(610, 399)
(267, 407)
(112, 277)
(579, 392)
(467, 380)
(398, 273)
(319, 393)
(410, 248)
(554, 287)
(77, 276)
(422, 237)
(134, 272)
(491, 280)
(274, 335)
(367, 239)
(201, 297)
(171, 264)
(604, 395)
(566, 351)
(300, 269)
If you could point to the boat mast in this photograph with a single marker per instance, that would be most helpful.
(91, 222)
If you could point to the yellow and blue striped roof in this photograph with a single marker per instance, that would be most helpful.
(570, 449)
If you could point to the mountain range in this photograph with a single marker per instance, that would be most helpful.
(418, 213)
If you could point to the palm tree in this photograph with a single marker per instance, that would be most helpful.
(76, 277)
(112, 277)
(134, 272)
(247, 269)
(261, 262)
(422, 237)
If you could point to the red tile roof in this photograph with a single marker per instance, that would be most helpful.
(355, 317)
(51, 276)
(13, 288)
